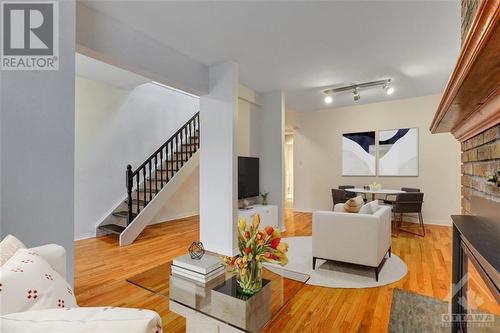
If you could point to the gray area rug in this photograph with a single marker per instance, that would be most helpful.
(411, 312)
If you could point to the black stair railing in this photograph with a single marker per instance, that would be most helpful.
(151, 176)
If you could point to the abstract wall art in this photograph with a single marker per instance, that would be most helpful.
(358, 154)
(398, 152)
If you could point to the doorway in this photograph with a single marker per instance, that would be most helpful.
(289, 170)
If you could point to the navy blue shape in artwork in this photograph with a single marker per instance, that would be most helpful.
(364, 139)
(399, 134)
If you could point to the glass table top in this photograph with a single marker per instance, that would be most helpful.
(281, 286)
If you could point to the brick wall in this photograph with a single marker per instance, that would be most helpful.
(480, 154)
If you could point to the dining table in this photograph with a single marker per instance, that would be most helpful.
(373, 193)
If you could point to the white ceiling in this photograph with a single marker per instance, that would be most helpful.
(303, 47)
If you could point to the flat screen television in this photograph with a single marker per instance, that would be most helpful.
(248, 177)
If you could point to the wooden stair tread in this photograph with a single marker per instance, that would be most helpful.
(112, 228)
(123, 214)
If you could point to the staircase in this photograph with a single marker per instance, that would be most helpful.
(146, 185)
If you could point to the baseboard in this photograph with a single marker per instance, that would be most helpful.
(85, 235)
(304, 210)
(176, 217)
(430, 222)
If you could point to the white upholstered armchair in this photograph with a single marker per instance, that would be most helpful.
(357, 238)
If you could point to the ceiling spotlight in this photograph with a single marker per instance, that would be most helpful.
(328, 99)
(388, 88)
(356, 94)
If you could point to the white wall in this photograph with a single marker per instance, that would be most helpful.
(248, 136)
(261, 126)
(115, 127)
(292, 119)
(37, 148)
(185, 202)
(318, 155)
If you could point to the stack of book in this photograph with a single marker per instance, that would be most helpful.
(202, 270)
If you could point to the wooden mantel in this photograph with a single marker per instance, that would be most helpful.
(471, 100)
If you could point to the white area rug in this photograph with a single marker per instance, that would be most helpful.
(336, 275)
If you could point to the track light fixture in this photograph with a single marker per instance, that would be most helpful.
(355, 88)
(355, 93)
(388, 88)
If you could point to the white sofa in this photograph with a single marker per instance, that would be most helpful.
(362, 239)
(78, 319)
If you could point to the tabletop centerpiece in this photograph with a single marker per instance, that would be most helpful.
(375, 186)
(256, 247)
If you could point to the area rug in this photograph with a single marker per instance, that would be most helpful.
(337, 275)
(413, 313)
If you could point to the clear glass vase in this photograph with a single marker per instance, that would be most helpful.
(250, 279)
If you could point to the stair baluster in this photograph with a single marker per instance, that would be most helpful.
(130, 184)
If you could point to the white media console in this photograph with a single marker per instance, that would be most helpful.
(268, 214)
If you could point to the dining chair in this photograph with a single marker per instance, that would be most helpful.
(339, 196)
(409, 203)
(348, 193)
(410, 189)
(390, 201)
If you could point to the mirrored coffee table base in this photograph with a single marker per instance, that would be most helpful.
(216, 306)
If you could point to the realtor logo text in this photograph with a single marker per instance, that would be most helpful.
(30, 35)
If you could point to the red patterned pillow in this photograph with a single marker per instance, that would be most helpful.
(28, 282)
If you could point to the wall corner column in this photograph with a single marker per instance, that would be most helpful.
(272, 149)
(218, 160)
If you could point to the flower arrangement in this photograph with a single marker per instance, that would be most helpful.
(256, 247)
(493, 177)
(375, 186)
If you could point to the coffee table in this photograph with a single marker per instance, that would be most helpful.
(213, 307)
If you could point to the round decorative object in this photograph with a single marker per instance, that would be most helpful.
(196, 250)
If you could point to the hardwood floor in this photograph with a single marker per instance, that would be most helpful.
(102, 267)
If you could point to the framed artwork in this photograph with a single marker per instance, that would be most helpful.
(358, 154)
(398, 152)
